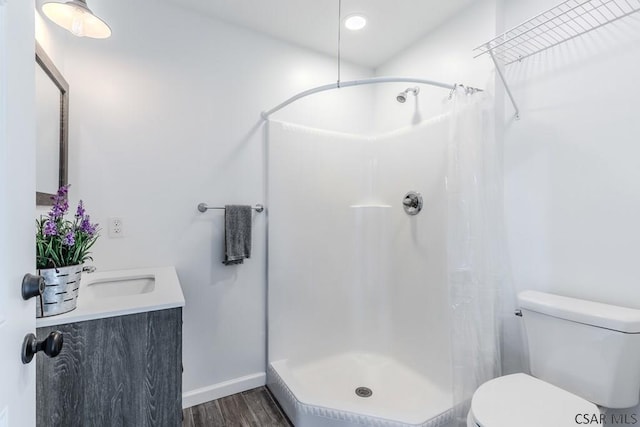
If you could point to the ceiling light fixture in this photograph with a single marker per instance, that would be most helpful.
(355, 22)
(76, 17)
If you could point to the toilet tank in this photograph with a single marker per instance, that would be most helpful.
(587, 348)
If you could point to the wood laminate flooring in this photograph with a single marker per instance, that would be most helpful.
(252, 408)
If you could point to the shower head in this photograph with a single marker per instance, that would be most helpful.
(402, 96)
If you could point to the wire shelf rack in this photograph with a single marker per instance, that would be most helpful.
(566, 21)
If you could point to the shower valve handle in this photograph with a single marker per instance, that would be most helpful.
(412, 203)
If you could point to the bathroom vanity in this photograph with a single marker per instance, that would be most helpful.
(121, 362)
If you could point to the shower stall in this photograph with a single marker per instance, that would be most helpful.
(362, 313)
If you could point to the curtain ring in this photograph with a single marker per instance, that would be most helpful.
(455, 85)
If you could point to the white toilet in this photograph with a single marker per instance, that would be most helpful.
(582, 354)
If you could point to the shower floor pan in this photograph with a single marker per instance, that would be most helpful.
(322, 393)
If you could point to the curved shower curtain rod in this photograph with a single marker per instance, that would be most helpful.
(373, 80)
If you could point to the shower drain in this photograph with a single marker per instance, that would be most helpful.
(363, 392)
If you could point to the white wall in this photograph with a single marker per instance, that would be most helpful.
(166, 114)
(445, 55)
(572, 176)
(51, 38)
(572, 181)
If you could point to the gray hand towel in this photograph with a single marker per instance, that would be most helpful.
(237, 234)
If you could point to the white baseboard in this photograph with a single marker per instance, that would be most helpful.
(227, 388)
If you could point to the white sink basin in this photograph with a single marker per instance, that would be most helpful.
(118, 293)
(121, 286)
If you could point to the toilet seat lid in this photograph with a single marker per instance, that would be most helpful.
(524, 401)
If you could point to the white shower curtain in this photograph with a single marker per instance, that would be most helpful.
(476, 262)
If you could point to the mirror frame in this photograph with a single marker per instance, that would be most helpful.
(47, 65)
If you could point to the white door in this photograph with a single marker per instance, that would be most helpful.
(17, 209)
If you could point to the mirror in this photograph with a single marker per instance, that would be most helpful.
(52, 115)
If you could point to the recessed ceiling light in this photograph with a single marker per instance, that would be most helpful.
(355, 22)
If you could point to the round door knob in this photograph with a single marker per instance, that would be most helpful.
(51, 346)
(32, 286)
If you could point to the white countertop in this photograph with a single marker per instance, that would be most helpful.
(109, 301)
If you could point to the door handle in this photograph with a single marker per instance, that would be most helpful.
(51, 346)
(32, 286)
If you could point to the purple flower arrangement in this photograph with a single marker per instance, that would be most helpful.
(62, 242)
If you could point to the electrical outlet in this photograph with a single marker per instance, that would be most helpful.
(116, 227)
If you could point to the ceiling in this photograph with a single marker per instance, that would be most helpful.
(392, 25)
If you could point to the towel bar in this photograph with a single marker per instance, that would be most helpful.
(203, 207)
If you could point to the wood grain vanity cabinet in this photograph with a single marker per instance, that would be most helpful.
(117, 371)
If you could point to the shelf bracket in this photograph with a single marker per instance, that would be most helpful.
(504, 82)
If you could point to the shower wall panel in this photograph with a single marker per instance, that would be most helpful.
(349, 270)
(414, 158)
(314, 178)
